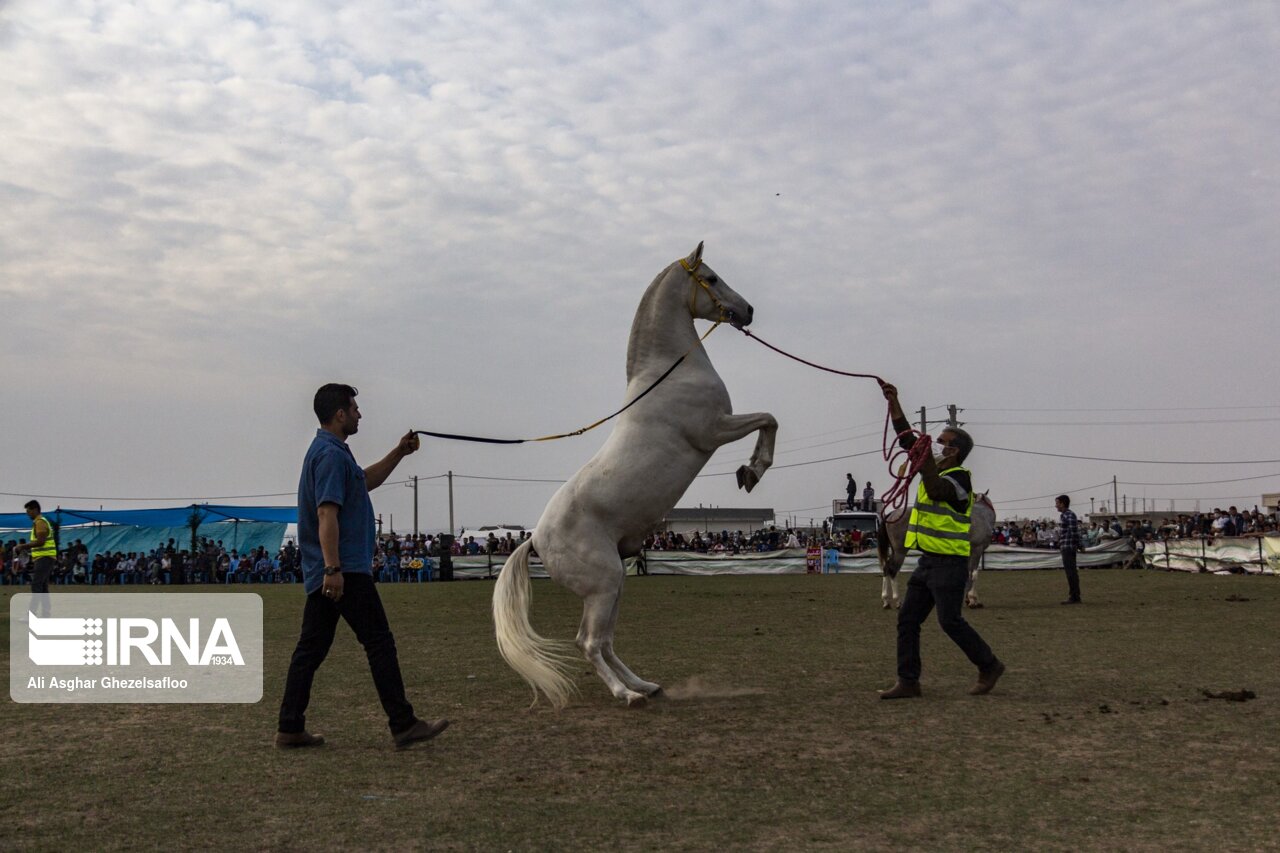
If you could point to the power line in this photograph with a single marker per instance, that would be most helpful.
(1122, 423)
(1201, 482)
(206, 499)
(1174, 409)
(1131, 461)
(152, 500)
(1054, 495)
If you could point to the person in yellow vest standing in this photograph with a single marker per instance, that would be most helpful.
(44, 555)
(939, 530)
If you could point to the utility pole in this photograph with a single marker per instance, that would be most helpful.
(415, 506)
(450, 503)
(952, 411)
(1115, 496)
(924, 422)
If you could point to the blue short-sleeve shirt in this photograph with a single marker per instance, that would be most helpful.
(330, 475)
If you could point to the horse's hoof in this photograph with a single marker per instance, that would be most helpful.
(637, 700)
(747, 478)
(975, 605)
(885, 605)
(656, 693)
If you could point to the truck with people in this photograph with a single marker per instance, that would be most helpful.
(846, 518)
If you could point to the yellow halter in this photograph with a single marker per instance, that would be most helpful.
(693, 294)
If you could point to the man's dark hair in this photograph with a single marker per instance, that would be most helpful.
(1066, 500)
(963, 443)
(332, 398)
(32, 504)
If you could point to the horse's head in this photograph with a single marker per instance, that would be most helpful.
(710, 298)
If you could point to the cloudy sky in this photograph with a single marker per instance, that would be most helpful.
(1061, 217)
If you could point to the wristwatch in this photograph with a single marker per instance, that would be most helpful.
(332, 570)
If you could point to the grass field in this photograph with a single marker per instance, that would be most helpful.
(773, 738)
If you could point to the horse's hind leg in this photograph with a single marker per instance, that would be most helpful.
(629, 678)
(970, 591)
(595, 639)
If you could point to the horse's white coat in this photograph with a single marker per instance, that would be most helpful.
(605, 511)
(982, 523)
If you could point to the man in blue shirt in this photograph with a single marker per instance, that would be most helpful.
(336, 535)
(1068, 544)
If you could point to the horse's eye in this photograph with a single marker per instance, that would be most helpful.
(712, 279)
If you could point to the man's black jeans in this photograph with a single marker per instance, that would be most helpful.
(938, 579)
(1073, 576)
(361, 607)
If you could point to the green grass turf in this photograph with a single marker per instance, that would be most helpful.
(773, 737)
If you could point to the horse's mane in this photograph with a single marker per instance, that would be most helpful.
(644, 310)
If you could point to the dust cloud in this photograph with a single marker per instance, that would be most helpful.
(697, 688)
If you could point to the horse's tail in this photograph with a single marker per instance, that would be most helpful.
(545, 664)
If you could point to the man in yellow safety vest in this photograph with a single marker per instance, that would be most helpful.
(44, 555)
(939, 530)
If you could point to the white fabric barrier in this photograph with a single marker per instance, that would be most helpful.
(1250, 554)
(792, 561)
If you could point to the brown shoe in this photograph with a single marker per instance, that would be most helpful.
(420, 730)
(987, 680)
(294, 740)
(902, 690)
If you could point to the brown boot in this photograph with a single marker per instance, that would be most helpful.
(294, 740)
(420, 730)
(987, 680)
(902, 690)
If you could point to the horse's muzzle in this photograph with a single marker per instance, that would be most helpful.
(738, 321)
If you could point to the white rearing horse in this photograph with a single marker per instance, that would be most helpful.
(892, 540)
(605, 511)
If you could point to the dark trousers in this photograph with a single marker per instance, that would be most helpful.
(41, 570)
(938, 580)
(361, 607)
(1073, 577)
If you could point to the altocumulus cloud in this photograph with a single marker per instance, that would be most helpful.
(222, 185)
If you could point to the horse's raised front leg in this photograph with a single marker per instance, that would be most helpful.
(734, 427)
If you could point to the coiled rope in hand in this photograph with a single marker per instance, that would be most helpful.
(903, 464)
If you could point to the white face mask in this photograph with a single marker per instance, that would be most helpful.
(938, 458)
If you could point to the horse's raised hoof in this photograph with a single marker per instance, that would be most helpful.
(747, 478)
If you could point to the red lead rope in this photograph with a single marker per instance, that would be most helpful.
(903, 464)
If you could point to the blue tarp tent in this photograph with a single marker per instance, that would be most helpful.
(125, 530)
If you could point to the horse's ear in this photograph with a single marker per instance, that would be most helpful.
(696, 257)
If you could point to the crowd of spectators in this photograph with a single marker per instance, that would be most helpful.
(211, 562)
(765, 539)
(406, 557)
(1220, 523)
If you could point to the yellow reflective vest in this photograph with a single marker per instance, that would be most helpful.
(49, 548)
(936, 528)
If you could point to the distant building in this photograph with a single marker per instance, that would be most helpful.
(1271, 502)
(715, 519)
